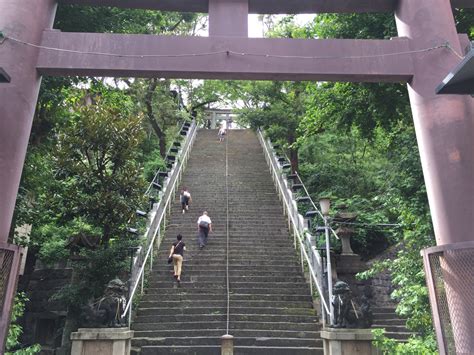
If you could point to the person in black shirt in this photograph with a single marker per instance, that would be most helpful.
(176, 253)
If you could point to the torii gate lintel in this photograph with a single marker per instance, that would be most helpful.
(227, 57)
(264, 6)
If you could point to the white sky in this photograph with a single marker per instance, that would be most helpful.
(255, 26)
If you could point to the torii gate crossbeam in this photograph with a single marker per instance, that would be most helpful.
(444, 124)
(263, 6)
(227, 57)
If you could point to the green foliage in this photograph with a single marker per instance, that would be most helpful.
(13, 345)
(465, 21)
(153, 165)
(414, 346)
(55, 238)
(88, 183)
(366, 107)
(93, 269)
(74, 18)
(95, 160)
(359, 26)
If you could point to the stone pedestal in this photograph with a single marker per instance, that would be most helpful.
(349, 264)
(348, 342)
(227, 345)
(104, 341)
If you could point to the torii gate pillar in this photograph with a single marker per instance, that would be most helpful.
(228, 18)
(444, 127)
(24, 19)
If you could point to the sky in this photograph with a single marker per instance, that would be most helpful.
(255, 26)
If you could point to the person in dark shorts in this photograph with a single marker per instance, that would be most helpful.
(176, 255)
(185, 199)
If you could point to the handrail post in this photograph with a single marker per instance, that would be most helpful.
(151, 261)
(329, 271)
(302, 261)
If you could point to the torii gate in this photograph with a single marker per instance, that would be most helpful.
(421, 56)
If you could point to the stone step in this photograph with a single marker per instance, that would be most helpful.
(183, 289)
(213, 253)
(382, 317)
(238, 350)
(265, 264)
(390, 310)
(216, 340)
(388, 322)
(232, 279)
(222, 310)
(268, 350)
(232, 325)
(391, 328)
(235, 286)
(236, 270)
(218, 317)
(237, 333)
(398, 335)
(189, 296)
(223, 303)
(199, 271)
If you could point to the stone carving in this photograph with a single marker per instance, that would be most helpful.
(366, 309)
(342, 297)
(107, 310)
(347, 312)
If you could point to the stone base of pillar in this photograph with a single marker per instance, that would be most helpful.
(227, 345)
(348, 341)
(104, 341)
(349, 264)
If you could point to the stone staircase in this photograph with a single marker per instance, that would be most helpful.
(271, 310)
(386, 317)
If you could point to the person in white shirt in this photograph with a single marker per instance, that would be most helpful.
(221, 134)
(204, 227)
(185, 199)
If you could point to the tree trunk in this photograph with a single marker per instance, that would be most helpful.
(293, 154)
(151, 116)
(294, 160)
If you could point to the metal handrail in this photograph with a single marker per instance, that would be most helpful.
(314, 205)
(167, 154)
(295, 219)
(158, 218)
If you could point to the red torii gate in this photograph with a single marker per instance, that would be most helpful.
(422, 55)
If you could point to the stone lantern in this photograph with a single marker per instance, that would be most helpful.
(345, 231)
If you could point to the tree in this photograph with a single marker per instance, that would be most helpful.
(380, 114)
(161, 106)
(95, 159)
(278, 107)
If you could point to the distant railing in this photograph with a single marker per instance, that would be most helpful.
(157, 216)
(303, 239)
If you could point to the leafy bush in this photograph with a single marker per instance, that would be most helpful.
(154, 163)
(414, 346)
(13, 345)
